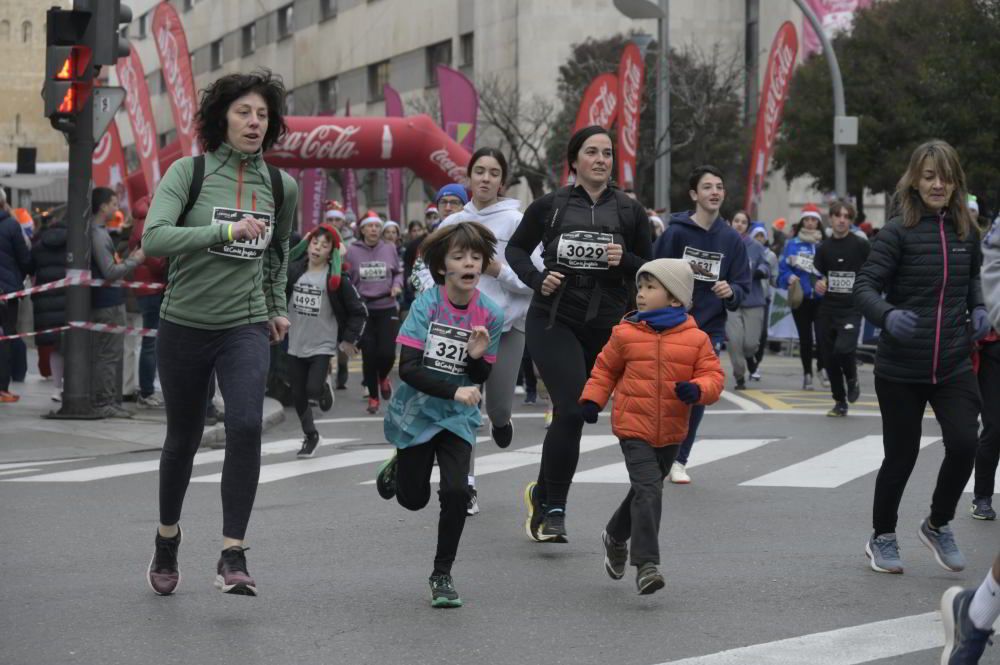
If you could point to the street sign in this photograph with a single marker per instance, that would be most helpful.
(106, 102)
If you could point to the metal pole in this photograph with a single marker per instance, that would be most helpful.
(662, 168)
(839, 108)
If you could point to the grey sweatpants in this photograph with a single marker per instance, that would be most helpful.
(743, 331)
(107, 352)
(499, 387)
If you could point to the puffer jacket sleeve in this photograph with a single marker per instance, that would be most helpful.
(877, 273)
(607, 370)
(975, 297)
(708, 373)
(991, 273)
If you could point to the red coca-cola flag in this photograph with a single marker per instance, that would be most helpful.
(459, 106)
(631, 72)
(175, 61)
(140, 115)
(772, 100)
(394, 177)
(108, 164)
(599, 106)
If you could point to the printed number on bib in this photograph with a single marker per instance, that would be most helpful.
(243, 249)
(306, 299)
(584, 250)
(707, 266)
(841, 282)
(804, 262)
(446, 348)
(373, 271)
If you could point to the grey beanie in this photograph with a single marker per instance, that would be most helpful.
(674, 274)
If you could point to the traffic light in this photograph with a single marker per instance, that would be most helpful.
(69, 70)
(105, 37)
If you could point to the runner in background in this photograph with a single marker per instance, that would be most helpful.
(838, 260)
(449, 199)
(335, 216)
(759, 233)
(375, 268)
(744, 325)
(721, 272)
(796, 267)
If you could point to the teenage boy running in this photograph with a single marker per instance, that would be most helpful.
(721, 272)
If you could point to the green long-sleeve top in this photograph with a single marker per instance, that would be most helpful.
(212, 283)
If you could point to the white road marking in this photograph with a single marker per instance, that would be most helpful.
(845, 646)
(14, 472)
(742, 402)
(833, 468)
(21, 465)
(704, 452)
(302, 467)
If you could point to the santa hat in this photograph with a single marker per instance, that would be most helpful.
(336, 254)
(758, 229)
(334, 210)
(810, 210)
(389, 223)
(371, 217)
(431, 209)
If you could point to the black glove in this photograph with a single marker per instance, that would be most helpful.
(688, 392)
(590, 411)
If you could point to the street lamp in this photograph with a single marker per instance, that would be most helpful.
(646, 9)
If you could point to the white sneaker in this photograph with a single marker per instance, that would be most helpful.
(151, 402)
(518, 390)
(57, 397)
(678, 474)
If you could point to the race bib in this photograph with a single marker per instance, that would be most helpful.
(306, 299)
(804, 262)
(373, 271)
(446, 348)
(583, 250)
(707, 266)
(840, 282)
(243, 249)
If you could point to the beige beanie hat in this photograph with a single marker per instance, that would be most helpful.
(674, 274)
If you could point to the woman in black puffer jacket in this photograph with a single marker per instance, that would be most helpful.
(49, 307)
(926, 261)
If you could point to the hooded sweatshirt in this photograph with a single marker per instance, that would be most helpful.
(506, 290)
(375, 271)
(720, 253)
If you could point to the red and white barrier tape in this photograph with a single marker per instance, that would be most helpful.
(87, 325)
(78, 280)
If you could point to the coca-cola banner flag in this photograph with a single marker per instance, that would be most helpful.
(631, 71)
(772, 100)
(394, 177)
(834, 15)
(108, 164)
(459, 106)
(312, 197)
(599, 106)
(175, 61)
(140, 116)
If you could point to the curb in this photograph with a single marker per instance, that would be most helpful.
(215, 436)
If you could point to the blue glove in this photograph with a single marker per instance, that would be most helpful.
(688, 392)
(590, 411)
(901, 324)
(980, 324)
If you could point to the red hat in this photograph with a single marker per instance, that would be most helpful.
(431, 208)
(334, 210)
(371, 217)
(810, 210)
(779, 224)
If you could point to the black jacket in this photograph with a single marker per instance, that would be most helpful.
(15, 256)
(49, 256)
(928, 270)
(348, 307)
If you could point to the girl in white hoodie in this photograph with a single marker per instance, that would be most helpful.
(487, 173)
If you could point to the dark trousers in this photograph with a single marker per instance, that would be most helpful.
(528, 372)
(956, 406)
(150, 308)
(806, 316)
(565, 355)
(753, 363)
(413, 489)
(638, 516)
(838, 342)
(378, 347)
(697, 413)
(9, 324)
(988, 450)
(186, 357)
(307, 376)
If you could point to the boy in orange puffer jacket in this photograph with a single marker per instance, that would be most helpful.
(657, 363)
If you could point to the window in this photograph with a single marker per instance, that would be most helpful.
(249, 39)
(26, 32)
(286, 21)
(142, 27)
(467, 47)
(437, 54)
(327, 9)
(378, 78)
(328, 90)
(216, 54)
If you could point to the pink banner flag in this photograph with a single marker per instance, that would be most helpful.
(631, 71)
(312, 198)
(131, 76)
(772, 100)
(350, 185)
(394, 177)
(175, 61)
(108, 164)
(834, 15)
(599, 106)
(459, 106)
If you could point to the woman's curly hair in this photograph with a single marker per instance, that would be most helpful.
(221, 93)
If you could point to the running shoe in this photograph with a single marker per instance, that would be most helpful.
(385, 388)
(372, 406)
(678, 474)
(807, 382)
(964, 643)
(309, 444)
(553, 529)
(232, 575)
(884, 554)
(548, 418)
(503, 435)
(443, 593)
(615, 556)
(941, 542)
(741, 383)
(853, 391)
(150, 401)
(824, 380)
(530, 397)
(326, 398)
(839, 410)
(113, 411)
(473, 506)
(535, 511)
(982, 508)
(755, 375)
(385, 479)
(57, 397)
(648, 579)
(518, 389)
(163, 574)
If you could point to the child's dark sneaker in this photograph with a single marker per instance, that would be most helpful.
(232, 575)
(385, 479)
(648, 579)
(615, 556)
(503, 435)
(326, 398)
(164, 575)
(309, 444)
(553, 528)
(443, 593)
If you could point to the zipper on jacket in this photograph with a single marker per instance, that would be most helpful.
(659, 403)
(940, 307)
(239, 185)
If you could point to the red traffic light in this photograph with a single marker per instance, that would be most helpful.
(75, 60)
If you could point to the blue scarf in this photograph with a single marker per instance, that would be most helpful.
(661, 319)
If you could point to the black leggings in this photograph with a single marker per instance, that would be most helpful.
(307, 376)
(564, 355)
(754, 361)
(185, 360)
(838, 343)
(988, 452)
(806, 317)
(413, 489)
(956, 406)
(378, 347)
(528, 372)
